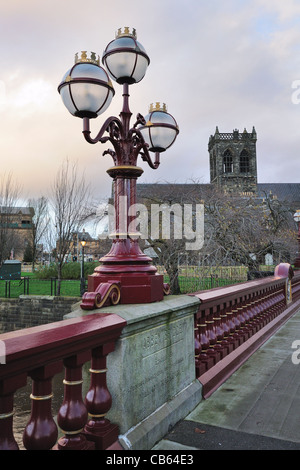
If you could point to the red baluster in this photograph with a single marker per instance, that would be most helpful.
(262, 307)
(41, 431)
(237, 325)
(251, 313)
(244, 330)
(207, 360)
(246, 315)
(72, 415)
(233, 335)
(98, 402)
(219, 332)
(214, 348)
(8, 388)
(227, 341)
(258, 313)
(197, 348)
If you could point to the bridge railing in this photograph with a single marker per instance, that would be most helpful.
(227, 317)
(41, 353)
(296, 286)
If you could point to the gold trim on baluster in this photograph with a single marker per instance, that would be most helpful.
(97, 371)
(72, 382)
(41, 397)
(6, 415)
(97, 416)
(69, 433)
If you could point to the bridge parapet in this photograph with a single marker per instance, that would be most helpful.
(232, 322)
(42, 352)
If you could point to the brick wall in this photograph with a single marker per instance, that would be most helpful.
(33, 310)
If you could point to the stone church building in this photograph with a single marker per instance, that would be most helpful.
(232, 159)
(233, 167)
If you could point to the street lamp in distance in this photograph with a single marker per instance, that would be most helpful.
(297, 220)
(82, 279)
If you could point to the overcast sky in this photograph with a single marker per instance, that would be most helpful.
(231, 64)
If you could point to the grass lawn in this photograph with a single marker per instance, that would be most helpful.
(71, 288)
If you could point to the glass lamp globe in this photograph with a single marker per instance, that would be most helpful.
(125, 58)
(297, 216)
(160, 130)
(86, 89)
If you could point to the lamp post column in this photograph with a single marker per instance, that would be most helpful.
(82, 279)
(297, 220)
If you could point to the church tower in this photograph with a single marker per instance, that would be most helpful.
(232, 158)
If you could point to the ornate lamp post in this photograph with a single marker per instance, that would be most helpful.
(126, 274)
(82, 280)
(297, 220)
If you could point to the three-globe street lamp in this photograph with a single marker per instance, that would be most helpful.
(126, 274)
(297, 220)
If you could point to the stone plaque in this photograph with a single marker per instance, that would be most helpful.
(152, 363)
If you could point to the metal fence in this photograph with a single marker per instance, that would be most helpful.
(197, 278)
(32, 286)
(191, 279)
(71, 288)
(190, 284)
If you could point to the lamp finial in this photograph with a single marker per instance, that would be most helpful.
(122, 32)
(158, 107)
(93, 59)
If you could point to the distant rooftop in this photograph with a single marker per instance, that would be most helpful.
(285, 192)
(16, 210)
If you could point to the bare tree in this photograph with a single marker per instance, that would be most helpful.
(246, 229)
(40, 223)
(238, 230)
(169, 250)
(10, 240)
(70, 203)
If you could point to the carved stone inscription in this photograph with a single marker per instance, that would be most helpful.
(163, 365)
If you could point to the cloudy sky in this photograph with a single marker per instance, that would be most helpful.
(235, 64)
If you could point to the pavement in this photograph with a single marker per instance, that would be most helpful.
(257, 408)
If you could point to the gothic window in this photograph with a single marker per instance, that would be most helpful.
(244, 162)
(227, 162)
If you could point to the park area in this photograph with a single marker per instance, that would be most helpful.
(44, 281)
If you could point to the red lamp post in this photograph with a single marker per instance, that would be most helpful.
(126, 274)
(297, 220)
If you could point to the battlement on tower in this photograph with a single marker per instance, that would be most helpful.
(233, 160)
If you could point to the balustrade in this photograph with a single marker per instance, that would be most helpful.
(40, 353)
(229, 316)
(296, 287)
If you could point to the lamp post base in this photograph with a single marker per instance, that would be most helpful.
(124, 288)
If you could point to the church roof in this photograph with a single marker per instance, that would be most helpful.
(289, 192)
(285, 192)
